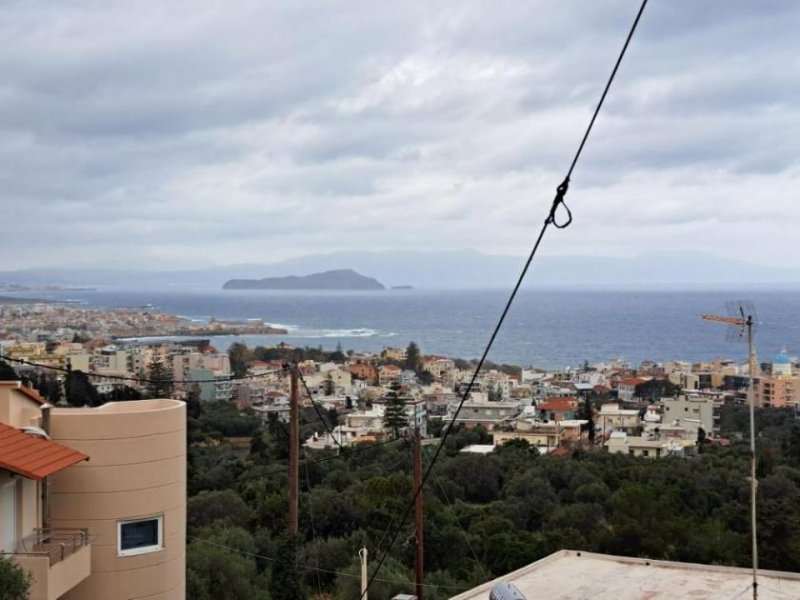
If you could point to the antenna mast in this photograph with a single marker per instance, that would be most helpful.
(742, 323)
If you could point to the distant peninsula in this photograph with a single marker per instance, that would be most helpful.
(342, 279)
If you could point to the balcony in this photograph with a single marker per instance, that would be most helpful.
(58, 560)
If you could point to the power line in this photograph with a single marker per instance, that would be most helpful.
(316, 408)
(136, 379)
(346, 452)
(478, 563)
(310, 568)
(313, 528)
(551, 219)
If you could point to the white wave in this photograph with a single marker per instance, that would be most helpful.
(335, 333)
(289, 328)
(191, 319)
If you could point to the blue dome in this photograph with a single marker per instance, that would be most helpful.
(781, 359)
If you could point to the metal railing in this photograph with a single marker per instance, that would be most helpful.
(56, 543)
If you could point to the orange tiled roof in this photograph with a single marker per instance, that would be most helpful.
(34, 457)
(32, 394)
(559, 404)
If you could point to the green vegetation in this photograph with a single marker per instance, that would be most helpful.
(394, 416)
(160, 376)
(14, 582)
(484, 515)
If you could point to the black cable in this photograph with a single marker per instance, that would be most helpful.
(561, 191)
(67, 371)
(345, 450)
(313, 529)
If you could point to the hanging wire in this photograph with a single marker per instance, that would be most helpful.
(67, 371)
(551, 219)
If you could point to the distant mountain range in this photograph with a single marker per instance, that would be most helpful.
(340, 279)
(451, 270)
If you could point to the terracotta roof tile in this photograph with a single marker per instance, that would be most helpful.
(32, 394)
(34, 457)
(559, 404)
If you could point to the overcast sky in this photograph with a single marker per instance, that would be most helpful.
(169, 134)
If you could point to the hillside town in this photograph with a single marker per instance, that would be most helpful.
(650, 410)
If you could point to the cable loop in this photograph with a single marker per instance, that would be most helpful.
(561, 191)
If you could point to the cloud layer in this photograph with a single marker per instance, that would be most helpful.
(165, 134)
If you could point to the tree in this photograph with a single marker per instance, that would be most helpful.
(587, 414)
(328, 385)
(701, 439)
(286, 581)
(80, 391)
(121, 393)
(15, 582)
(413, 360)
(160, 376)
(495, 392)
(7, 373)
(337, 355)
(655, 389)
(394, 415)
(239, 354)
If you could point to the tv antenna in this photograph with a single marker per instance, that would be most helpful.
(741, 319)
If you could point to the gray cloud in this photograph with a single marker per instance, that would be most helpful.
(189, 131)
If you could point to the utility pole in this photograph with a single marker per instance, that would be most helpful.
(742, 324)
(294, 450)
(418, 526)
(753, 481)
(362, 554)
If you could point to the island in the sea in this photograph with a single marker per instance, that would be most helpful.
(341, 279)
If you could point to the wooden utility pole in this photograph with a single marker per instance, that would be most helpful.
(294, 450)
(418, 537)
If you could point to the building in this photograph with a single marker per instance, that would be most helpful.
(558, 409)
(613, 418)
(93, 500)
(780, 388)
(213, 385)
(364, 371)
(389, 374)
(626, 387)
(691, 413)
(58, 560)
(489, 415)
(130, 496)
(567, 575)
(648, 446)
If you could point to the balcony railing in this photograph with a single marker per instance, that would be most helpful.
(56, 543)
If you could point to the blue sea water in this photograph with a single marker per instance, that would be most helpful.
(546, 328)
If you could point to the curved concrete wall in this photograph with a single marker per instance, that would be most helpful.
(137, 469)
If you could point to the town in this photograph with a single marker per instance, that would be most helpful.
(59, 322)
(650, 410)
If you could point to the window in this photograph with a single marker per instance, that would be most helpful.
(140, 536)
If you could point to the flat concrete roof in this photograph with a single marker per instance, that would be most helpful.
(572, 575)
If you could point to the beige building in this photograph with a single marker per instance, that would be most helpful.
(131, 496)
(569, 574)
(648, 446)
(613, 418)
(780, 388)
(691, 413)
(94, 508)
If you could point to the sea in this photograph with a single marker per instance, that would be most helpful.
(550, 328)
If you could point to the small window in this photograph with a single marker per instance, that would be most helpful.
(140, 536)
